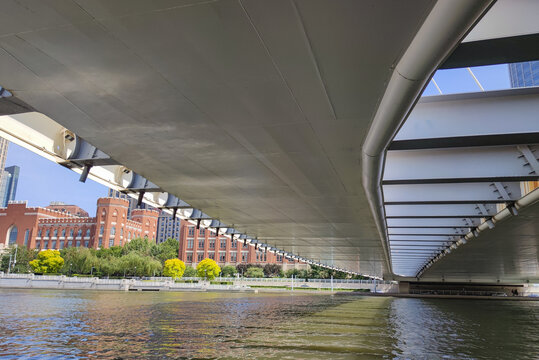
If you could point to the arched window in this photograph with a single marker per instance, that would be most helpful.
(103, 213)
(12, 234)
(48, 233)
(113, 230)
(71, 232)
(26, 237)
(101, 230)
(129, 235)
(79, 233)
(55, 234)
(115, 213)
(63, 232)
(88, 233)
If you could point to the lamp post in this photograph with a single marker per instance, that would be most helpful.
(92, 271)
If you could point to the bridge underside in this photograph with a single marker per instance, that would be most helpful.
(259, 114)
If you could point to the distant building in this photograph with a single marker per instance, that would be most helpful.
(132, 201)
(198, 244)
(52, 228)
(3, 152)
(524, 74)
(168, 228)
(9, 179)
(68, 209)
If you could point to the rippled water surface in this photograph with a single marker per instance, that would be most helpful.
(155, 325)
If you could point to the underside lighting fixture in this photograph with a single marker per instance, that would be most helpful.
(490, 224)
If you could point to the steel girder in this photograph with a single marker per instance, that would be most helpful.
(480, 164)
(455, 163)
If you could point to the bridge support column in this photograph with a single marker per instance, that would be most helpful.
(404, 287)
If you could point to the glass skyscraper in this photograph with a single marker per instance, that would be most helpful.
(8, 184)
(524, 74)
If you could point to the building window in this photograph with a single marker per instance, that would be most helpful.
(120, 242)
(200, 256)
(48, 233)
(26, 236)
(244, 255)
(13, 231)
(129, 235)
(201, 232)
(121, 232)
(53, 246)
(45, 245)
(88, 233)
(212, 243)
(223, 243)
(191, 231)
(190, 243)
(78, 243)
(64, 233)
(115, 213)
(211, 255)
(222, 256)
(55, 233)
(113, 231)
(71, 232)
(233, 257)
(190, 257)
(86, 243)
(244, 246)
(201, 243)
(101, 230)
(103, 213)
(234, 244)
(70, 243)
(38, 244)
(111, 243)
(100, 242)
(79, 233)
(61, 244)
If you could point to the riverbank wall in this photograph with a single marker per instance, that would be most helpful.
(31, 281)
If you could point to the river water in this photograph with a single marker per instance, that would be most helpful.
(155, 325)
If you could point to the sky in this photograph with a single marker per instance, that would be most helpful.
(42, 181)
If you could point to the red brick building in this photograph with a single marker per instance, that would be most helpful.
(55, 227)
(198, 244)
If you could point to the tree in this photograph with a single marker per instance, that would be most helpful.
(23, 257)
(79, 260)
(272, 270)
(255, 272)
(142, 246)
(174, 268)
(109, 266)
(190, 272)
(228, 271)
(242, 269)
(168, 249)
(208, 269)
(114, 251)
(137, 264)
(47, 261)
(291, 272)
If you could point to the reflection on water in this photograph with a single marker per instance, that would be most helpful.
(86, 324)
